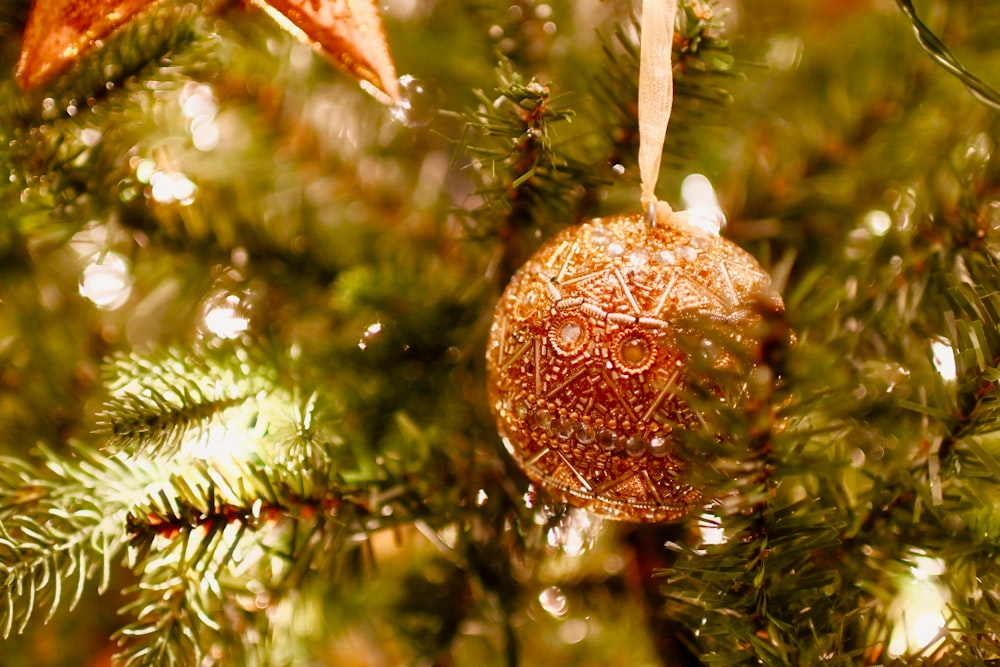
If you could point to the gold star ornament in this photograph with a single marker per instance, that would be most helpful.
(348, 32)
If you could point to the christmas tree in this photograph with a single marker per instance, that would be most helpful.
(245, 305)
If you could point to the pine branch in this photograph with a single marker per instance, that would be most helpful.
(518, 32)
(174, 611)
(199, 538)
(762, 595)
(37, 560)
(56, 534)
(195, 531)
(156, 401)
(310, 447)
(47, 135)
(703, 65)
(925, 436)
(142, 46)
(524, 173)
(532, 180)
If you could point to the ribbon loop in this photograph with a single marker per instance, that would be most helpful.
(656, 92)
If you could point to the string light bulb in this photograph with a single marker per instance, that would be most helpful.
(920, 611)
(106, 281)
(226, 316)
(943, 356)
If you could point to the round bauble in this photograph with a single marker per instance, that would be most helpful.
(584, 372)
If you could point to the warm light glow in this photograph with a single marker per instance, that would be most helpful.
(197, 100)
(944, 359)
(90, 136)
(403, 107)
(229, 442)
(575, 533)
(573, 631)
(878, 222)
(219, 443)
(199, 106)
(554, 601)
(919, 612)
(166, 187)
(919, 616)
(226, 318)
(702, 204)
(784, 52)
(91, 239)
(710, 529)
(205, 135)
(925, 567)
(373, 329)
(144, 170)
(106, 281)
(172, 187)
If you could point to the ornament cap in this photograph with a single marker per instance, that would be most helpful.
(659, 213)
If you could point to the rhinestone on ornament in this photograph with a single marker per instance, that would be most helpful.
(633, 352)
(584, 373)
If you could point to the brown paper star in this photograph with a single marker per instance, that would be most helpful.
(348, 32)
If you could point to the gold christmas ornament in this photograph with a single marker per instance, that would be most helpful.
(348, 32)
(584, 372)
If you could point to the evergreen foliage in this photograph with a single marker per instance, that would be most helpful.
(266, 441)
